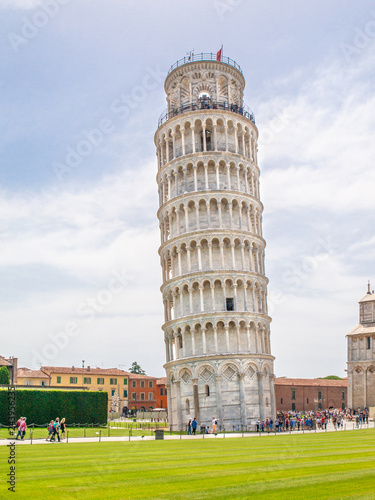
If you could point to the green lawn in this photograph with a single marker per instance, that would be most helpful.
(116, 429)
(337, 465)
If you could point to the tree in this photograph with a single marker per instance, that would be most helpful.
(330, 377)
(136, 368)
(4, 376)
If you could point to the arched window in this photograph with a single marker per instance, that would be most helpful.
(207, 390)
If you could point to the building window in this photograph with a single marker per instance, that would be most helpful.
(134, 383)
(307, 401)
(293, 406)
(343, 406)
(142, 383)
(125, 393)
(161, 404)
(368, 342)
(125, 381)
(207, 390)
(165, 391)
(73, 380)
(150, 396)
(180, 342)
(343, 395)
(100, 381)
(113, 392)
(87, 380)
(161, 391)
(142, 396)
(281, 401)
(58, 380)
(320, 406)
(42, 383)
(230, 304)
(319, 394)
(150, 383)
(29, 382)
(134, 395)
(113, 381)
(293, 394)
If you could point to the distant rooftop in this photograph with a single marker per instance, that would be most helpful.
(205, 56)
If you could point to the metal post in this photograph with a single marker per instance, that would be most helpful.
(109, 431)
(31, 437)
(67, 436)
(84, 432)
(100, 435)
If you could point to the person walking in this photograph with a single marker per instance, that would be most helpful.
(189, 427)
(50, 430)
(19, 433)
(214, 425)
(62, 428)
(56, 429)
(194, 425)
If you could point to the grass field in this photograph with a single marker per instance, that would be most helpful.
(319, 466)
(116, 429)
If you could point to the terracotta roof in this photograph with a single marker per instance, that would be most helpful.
(361, 330)
(146, 377)
(5, 362)
(86, 371)
(161, 381)
(314, 382)
(27, 373)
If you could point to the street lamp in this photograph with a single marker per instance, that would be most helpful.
(83, 372)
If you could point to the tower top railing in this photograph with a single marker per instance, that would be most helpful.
(204, 56)
(205, 104)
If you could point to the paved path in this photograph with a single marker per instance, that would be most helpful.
(348, 427)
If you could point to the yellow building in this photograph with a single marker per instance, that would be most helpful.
(34, 378)
(112, 380)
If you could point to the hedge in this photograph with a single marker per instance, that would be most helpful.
(41, 406)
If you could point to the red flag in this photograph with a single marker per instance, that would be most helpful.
(218, 54)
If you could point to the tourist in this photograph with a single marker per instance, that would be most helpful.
(56, 429)
(23, 428)
(194, 425)
(62, 428)
(50, 430)
(189, 427)
(18, 427)
(214, 425)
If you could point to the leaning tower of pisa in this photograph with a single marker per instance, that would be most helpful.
(216, 329)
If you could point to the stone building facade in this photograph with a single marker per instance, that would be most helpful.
(217, 329)
(361, 356)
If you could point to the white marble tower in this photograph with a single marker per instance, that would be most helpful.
(216, 330)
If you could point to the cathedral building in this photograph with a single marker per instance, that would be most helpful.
(361, 356)
(217, 328)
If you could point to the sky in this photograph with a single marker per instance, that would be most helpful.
(81, 92)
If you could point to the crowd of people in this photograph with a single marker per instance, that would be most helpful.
(290, 421)
(55, 427)
(294, 421)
